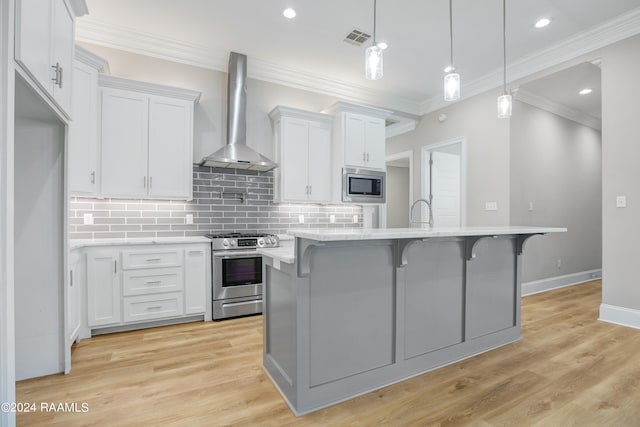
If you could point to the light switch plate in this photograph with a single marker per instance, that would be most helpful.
(491, 206)
(355, 219)
(621, 201)
(301, 219)
(88, 219)
(188, 219)
(332, 219)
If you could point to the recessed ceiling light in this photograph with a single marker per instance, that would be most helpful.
(585, 91)
(289, 13)
(382, 45)
(543, 22)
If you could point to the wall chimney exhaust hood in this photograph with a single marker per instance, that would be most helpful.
(236, 154)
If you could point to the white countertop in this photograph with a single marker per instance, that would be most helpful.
(283, 253)
(334, 234)
(83, 243)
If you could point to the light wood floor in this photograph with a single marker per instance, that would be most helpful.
(569, 369)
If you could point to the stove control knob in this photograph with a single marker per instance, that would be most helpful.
(233, 242)
(260, 242)
(225, 243)
(272, 241)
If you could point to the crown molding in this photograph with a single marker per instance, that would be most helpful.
(123, 38)
(612, 31)
(404, 125)
(118, 37)
(92, 60)
(281, 111)
(556, 108)
(150, 88)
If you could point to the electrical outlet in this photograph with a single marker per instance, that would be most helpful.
(621, 201)
(88, 219)
(332, 219)
(355, 219)
(188, 219)
(491, 206)
(301, 219)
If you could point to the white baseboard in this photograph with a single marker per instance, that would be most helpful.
(543, 285)
(620, 315)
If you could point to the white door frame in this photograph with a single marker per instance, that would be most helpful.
(7, 313)
(398, 156)
(424, 171)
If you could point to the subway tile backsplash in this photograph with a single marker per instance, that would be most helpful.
(216, 207)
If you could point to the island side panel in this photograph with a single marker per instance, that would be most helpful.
(351, 310)
(434, 296)
(280, 326)
(492, 287)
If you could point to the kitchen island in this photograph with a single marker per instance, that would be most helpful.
(350, 311)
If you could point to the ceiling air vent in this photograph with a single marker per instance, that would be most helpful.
(357, 37)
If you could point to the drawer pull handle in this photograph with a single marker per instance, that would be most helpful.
(155, 282)
(155, 307)
(153, 259)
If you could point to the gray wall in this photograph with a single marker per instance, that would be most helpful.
(621, 174)
(487, 139)
(397, 196)
(555, 164)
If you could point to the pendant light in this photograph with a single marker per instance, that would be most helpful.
(373, 54)
(505, 102)
(452, 79)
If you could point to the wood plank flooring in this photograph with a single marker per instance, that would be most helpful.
(568, 370)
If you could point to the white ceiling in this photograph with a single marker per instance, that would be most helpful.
(309, 51)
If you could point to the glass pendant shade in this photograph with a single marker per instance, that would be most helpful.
(373, 61)
(505, 104)
(452, 87)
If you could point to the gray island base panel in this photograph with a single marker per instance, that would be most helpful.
(350, 316)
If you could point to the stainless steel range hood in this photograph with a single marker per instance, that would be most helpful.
(236, 154)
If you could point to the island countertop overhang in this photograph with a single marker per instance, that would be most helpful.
(327, 235)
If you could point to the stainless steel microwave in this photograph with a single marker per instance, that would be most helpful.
(363, 186)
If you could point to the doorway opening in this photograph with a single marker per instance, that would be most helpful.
(399, 192)
(444, 182)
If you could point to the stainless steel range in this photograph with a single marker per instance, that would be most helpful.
(237, 273)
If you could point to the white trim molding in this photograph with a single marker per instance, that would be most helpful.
(124, 38)
(609, 32)
(557, 282)
(92, 60)
(152, 88)
(620, 315)
(558, 109)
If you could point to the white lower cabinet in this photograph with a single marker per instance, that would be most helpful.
(103, 288)
(135, 284)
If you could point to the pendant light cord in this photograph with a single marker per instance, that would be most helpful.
(451, 33)
(374, 21)
(504, 44)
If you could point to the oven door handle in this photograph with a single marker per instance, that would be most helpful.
(228, 254)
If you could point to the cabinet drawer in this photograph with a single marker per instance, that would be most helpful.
(150, 307)
(152, 281)
(151, 258)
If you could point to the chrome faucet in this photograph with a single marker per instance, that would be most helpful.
(429, 203)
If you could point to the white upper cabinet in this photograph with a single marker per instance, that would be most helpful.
(83, 130)
(44, 47)
(124, 138)
(358, 141)
(146, 140)
(303, 151)
(170, 120)
(359, 137)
